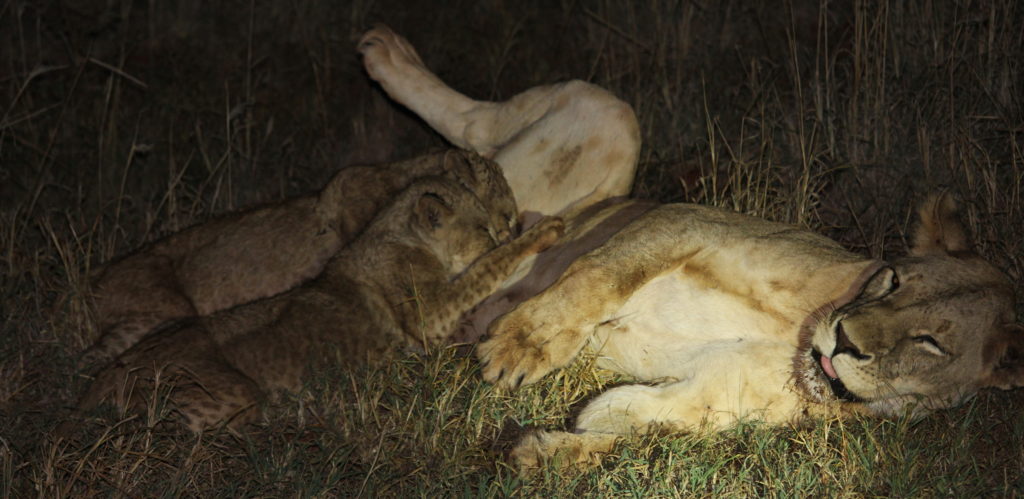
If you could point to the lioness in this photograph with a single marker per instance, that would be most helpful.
(404, 283)
(732, 316)
(736, 317)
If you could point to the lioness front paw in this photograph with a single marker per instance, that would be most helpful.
(561, 449)
(523, 346)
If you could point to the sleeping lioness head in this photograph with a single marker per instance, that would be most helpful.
(924, 332)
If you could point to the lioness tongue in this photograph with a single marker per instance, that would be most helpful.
(826, 364)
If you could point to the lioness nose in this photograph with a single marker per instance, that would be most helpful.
(845, 345)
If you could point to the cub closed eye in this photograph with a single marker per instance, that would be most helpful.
(929, 343)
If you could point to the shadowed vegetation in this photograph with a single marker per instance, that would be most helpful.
(124, 121)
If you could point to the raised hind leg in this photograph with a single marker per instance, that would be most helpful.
(562, 147)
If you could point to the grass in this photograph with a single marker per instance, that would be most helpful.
(121, 122)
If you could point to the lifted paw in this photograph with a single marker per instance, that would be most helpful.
(387, 56)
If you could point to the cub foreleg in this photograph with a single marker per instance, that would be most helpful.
(482, 278)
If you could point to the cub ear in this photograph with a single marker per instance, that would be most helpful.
(939, 231)
(431, 211)
(332, 195)
(460, 166)
(1006, 353)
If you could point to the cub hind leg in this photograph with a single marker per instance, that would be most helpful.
(562, 147)
(184, 367)
(130, 299)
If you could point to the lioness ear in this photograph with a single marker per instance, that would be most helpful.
(431, 211)
(1006, 352)
(880, 284)
(940, 230)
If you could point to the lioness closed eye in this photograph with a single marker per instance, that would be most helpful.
(404, 283)
(747, 318)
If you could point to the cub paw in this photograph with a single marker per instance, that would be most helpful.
(545, 234)
(91, 359)
(528, 454)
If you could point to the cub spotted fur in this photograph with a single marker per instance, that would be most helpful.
(404, 283)
(259, 253)
(734, 317)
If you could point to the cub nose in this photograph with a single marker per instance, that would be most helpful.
(845, 345)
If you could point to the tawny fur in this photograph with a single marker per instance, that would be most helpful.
(258, 253)
(726, 311)
(562, 148)
(403, 284)
(730, 316)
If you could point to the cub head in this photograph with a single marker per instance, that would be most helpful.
(485, 179)
(451, 223)
(926, 331)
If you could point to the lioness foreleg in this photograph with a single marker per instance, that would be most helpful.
(548, 330)
(617, 413)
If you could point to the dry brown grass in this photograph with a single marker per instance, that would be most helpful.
(124, 121)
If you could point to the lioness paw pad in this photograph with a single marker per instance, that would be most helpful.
(512, 358)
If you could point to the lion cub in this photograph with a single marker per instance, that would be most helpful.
(261, 252)
(404, 283)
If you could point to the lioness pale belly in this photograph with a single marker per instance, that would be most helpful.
(675, 326)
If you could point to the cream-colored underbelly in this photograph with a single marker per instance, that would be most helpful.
(674, 327)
